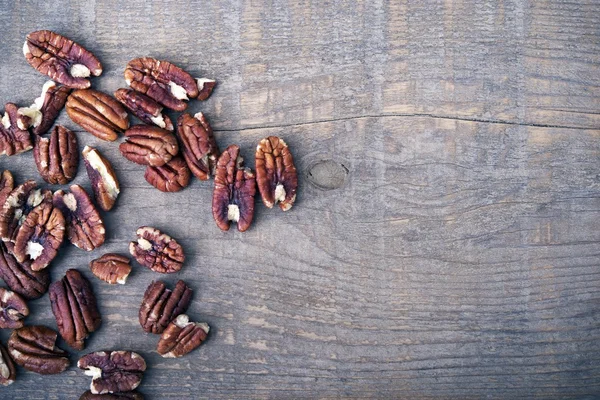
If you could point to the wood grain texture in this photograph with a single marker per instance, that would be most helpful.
(445, 241)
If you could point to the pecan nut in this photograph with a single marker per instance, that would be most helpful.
(98, 113)
(144, 108)
(181, 337)
(13, 309)
(57, 157)
(276, 174)
(20, 278)
(7, 184)
(111, 268)
(162, 81)
(88, 395)
(149, 145)
(14, 136)
(85, 228)
(34, 348)
(74, 307)
(205, 88)
(171, 177)
(113, 371)
(63, 60)
(45, 109)
(233, 195)
(103, 178)
(161, 305)
(199, 146)
(8, 372)
(157, 251)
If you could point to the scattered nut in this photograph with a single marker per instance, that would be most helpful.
(20, 278)
(61, 59)
(112, 396)
(276, 175)
(181, 337)
(57, 158)
(14, 136)
(34, 348)
(149, 145)
(144, 108)
(8, 372)
(171, 177)
(102, 175)
(199, 146)
(13, 309)
(205, 88)
(7, 184)
(113, 371)
(157, 251)
(111, 268)
(46, 108)
(233, 195)
(161, 305)
(98, 113)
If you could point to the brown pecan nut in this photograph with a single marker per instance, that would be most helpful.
(7, 184)
(13, 309)
(74, 307)
(103, 178)
(8, 372)
(34, 348)
(63, 60)
(46, 108)
(20, 278)
(205, 87)
(113, 371)
(233, 195)
(57, 157)
(98, 113)
(199, 146)
(149, 145)
(157, 251)
(144, 108)
(14, 136)
(181, 337)
(112, 396)
(161, 305)
(164, 82)
(111, 268)
(276, 175)
(171, 177)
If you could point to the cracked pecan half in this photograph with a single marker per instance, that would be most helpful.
(144, 108)
(14, 136)
(13, 309)
(45, 109)
(34, 348)
(276, 175)
(171, 177)
(74, 307)
(7, 184)
(57, 157)
(85, 228)
(200, 149)
(111, 268)
(98, 113)
(205, 87)
(157, 251)
(149, 145)
(233, 195)
(113, 371)
(8, 372)
(161, 305)
(63, 60)
(20, 278)
(181, 337)
(105, 184)
(88, 395)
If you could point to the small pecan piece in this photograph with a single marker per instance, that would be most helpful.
(171, 177)
(74, 307)
(85, 228)
(111, 268)
(34, 348)
(20, 278)
(102, 175)
(181, 337)
(57, 157)
(13, 309)
(112, 396)
(199, 146)
(149, 145)
(14, 136)
(157, 251)
(113, 371)
(161, 305)
(7, 184)
(144, 108)
(46, 108)
(276, 175)
(233, 195)
(205, 88)
(63, 60)
(98, 113)
(8, 372)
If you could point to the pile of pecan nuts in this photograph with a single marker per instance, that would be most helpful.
(35, 221)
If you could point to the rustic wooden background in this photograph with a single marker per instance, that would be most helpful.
(445, 242)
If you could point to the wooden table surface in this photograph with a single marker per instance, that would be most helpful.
(445, 241)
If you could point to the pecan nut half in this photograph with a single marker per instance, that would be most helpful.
(46, 108)
(205, 88)
(181, 337)
(157, 251)
(63, 60)
(164, 82)
(85, 228)
(233, 195)
(74, 307)
(113, 371)
(34, 348)
(199, 146)
(276, 174)
(103, 178)
(14, 136)
(111, 268)
(98, 113)
(20, 278)
(7, 184)
(161, 305)
(13, 309)
(144, 108)
(149, 145)
(171, 177)
(8, 372)
(57, 157)
(88, 395)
